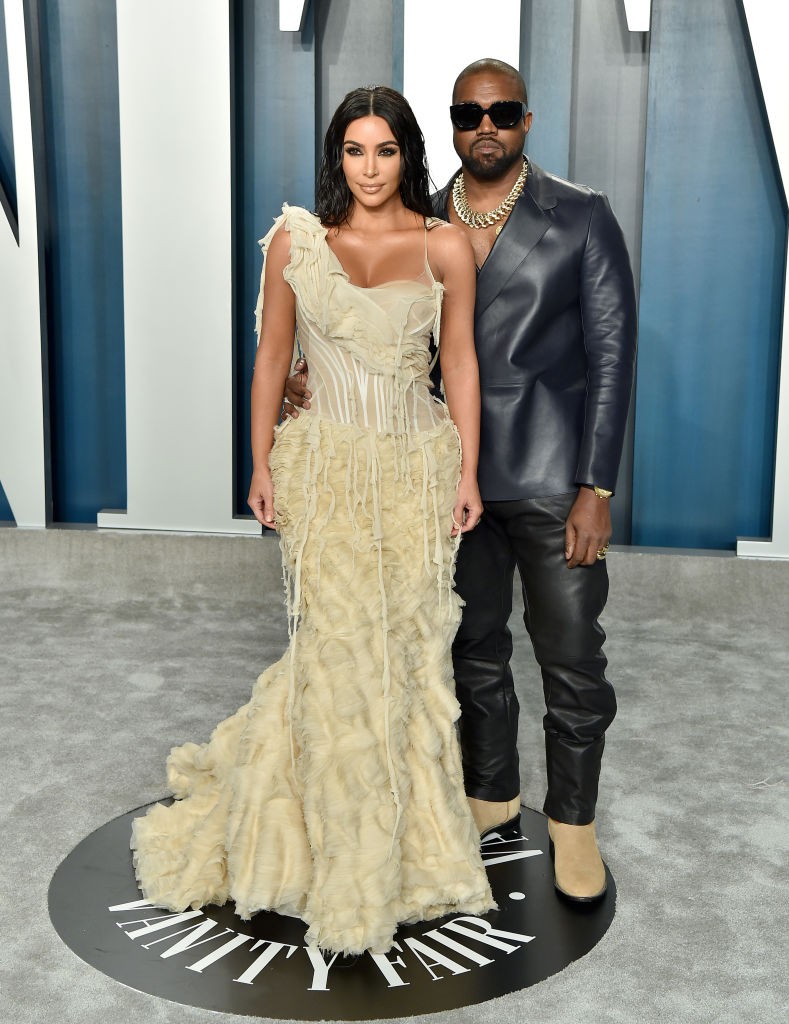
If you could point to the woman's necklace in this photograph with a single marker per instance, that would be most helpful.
(475, 219)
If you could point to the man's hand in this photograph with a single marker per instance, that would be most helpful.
(588, 528)
(296, 394)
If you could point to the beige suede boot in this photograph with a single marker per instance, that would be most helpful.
(579, 873)
(491, 814)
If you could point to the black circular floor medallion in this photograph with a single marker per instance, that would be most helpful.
(212, 959)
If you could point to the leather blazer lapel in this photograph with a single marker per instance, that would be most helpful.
(524, 228)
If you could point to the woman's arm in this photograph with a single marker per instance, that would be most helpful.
(452, 256)
(272, 363)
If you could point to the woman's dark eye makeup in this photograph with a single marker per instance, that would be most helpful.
(384, 151)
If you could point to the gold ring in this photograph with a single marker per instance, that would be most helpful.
(601, 553)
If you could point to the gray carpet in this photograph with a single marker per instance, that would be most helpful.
(115, 646)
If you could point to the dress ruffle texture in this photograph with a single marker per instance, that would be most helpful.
(336, 793)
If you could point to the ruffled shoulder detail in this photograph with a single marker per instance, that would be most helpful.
(306, 234)
(305, 226)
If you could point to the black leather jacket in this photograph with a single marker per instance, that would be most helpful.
(555, 331)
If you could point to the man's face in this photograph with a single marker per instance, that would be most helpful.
(488, 152)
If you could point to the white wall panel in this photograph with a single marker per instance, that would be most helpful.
(291, 14)
(21, 389)
(174, 88)
(638, 14)
(439, 40)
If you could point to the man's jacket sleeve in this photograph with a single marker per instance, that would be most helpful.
(608, 311)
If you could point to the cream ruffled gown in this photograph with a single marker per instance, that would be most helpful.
(336, 793)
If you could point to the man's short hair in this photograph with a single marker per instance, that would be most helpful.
(491, 66)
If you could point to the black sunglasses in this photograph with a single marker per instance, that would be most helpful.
(503, 113)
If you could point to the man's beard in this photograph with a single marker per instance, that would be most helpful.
(491, 168)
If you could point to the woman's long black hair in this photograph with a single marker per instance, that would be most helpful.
(333, 198)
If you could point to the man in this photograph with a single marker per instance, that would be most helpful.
(555, 328)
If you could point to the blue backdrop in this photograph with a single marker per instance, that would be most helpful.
(273, 72)
(714, 232)
(711, 288)
(83, 257)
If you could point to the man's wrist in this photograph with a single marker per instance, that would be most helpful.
(601, 492)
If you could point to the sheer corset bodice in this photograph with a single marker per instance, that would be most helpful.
(368, 349)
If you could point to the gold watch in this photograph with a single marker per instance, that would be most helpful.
(601, 492)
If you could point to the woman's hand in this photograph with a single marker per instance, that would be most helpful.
(468, 506)
(261, 497)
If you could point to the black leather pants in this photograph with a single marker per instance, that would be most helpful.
(562, 608)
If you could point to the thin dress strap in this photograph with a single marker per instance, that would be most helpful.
(427, 261)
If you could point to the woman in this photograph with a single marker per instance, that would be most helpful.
(336, 794)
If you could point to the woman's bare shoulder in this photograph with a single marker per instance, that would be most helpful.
(279, 247)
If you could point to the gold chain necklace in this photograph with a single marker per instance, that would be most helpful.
(475, 219)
